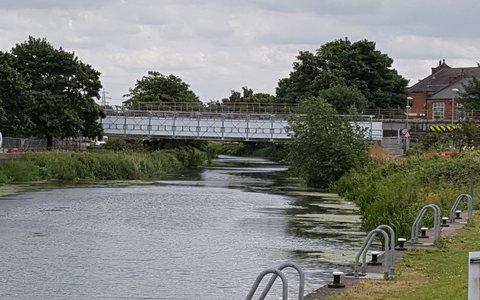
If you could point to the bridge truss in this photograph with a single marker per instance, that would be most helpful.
(197, 125)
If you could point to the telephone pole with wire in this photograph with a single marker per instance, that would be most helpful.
(103, 101)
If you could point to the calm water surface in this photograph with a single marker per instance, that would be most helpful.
(204, 235)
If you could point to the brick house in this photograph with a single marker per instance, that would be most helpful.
(434, 96)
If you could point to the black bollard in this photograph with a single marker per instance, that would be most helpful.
(424, 233)
(457, 214)
(336, 280)
(401, 244)
(444, 222)
(374, 261)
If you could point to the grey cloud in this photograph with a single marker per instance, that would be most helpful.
(51, 4)
(220, 45)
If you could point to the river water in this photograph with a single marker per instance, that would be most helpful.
(202, 235)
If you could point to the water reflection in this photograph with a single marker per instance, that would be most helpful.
(323, 230)
(202, 235)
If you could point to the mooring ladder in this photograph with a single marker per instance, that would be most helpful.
(366, 245)
(392, 249)
(278, 273)
(469, 208)
(436, 223)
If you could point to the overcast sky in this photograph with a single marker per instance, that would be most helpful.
(217, 46)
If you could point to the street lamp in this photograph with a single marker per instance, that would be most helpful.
(408, 107)
(407, 134)
(454, 92)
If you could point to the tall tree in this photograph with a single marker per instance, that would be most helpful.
(158, 88)
(16, 98)
(470, 98)
(342, 62)
(248, 96)
(345, 98)
(63, 90)
(325, 146)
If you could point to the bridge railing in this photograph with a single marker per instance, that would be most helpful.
(214, 107)
(282, 108)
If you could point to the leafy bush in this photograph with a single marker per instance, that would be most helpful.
(120, 144)
(325, 146)
(393, 193)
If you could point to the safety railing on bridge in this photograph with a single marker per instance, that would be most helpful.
(289, 108)
(212, 107)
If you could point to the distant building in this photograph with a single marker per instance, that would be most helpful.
(434, 95)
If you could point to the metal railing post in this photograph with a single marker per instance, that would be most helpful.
(392, 246)
(436, 221)
(259, 279)
(474, 276)
(366, 244)
(301, 280)
(469, 207)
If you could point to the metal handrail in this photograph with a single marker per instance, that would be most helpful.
(469, 207)
(366, 244)
(259, 279)
(392, 248)
(282, 108)
(436, 222)
(301, 280)
(209, 107)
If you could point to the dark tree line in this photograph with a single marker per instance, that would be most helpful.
(47, 92)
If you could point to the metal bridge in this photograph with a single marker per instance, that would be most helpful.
(235, 122)
(197, 125)
(210, 126)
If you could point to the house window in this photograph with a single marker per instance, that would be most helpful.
(438, 110)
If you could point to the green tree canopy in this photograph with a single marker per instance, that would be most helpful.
(55, 92)
(344, 98)
(156, 88)
(470, 98)
(248, 96)
(342, 62)
(325, 146)
(16, 98)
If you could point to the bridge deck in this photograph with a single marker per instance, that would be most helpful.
(233, 126)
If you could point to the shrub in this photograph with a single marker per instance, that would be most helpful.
(325, 146)
(393, 193)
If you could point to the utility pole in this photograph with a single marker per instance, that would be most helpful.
(103, 102)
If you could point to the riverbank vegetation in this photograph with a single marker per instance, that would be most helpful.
(273, 151)
(425, 274)
(326, 146)
(392, 192)
(99, 165)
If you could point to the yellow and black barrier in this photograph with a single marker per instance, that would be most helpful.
(442, 128)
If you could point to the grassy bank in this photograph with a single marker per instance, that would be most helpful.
(392, 193)
(104, 165)
(423, 275)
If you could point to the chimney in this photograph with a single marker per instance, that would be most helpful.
(441, 65)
